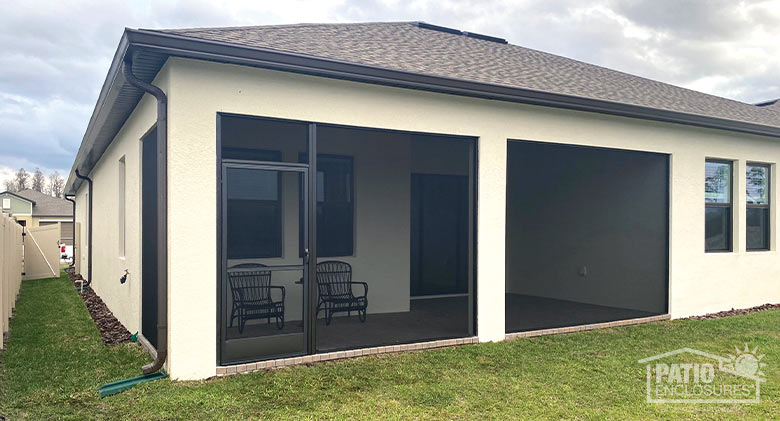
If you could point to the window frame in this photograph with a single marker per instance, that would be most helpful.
(253, 155)
(303, 157)
(767, 206)
(729, 205)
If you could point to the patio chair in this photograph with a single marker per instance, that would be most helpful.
(334, 284)
(251, 289)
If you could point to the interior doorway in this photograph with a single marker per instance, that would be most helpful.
(439, 246)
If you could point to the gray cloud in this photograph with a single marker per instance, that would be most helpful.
(54, 55)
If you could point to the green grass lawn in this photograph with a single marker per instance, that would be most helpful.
(55, 361)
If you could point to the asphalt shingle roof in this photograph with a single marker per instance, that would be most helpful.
(46, 205)
(405, 46)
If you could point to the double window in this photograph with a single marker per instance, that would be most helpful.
(719, 213)
(257, 195)
(757, 195)
(718, 205)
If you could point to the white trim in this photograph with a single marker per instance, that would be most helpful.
(146, 345)
(427, 297)
(55, 220)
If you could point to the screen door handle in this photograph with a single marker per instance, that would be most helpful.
(305, 256)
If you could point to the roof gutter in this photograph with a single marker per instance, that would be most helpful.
(89, 226)
(162, 212)
(189, 47)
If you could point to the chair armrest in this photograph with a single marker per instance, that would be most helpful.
(365, 287)
(279, 287)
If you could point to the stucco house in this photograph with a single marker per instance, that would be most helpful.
(288, 194)
(32, 208)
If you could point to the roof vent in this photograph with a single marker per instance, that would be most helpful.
(770, 103)
(459, 32)
(438, 28)
(485, 37)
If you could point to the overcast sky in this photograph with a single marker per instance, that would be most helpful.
(54, 55)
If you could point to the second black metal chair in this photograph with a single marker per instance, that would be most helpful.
(334, 284)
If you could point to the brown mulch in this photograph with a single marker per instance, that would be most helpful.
(111, 330)
(734, 312)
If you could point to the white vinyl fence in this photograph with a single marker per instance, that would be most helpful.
(10, 269)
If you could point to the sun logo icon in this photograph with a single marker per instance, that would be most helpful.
(746, 362)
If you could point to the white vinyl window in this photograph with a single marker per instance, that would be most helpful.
(121, 206)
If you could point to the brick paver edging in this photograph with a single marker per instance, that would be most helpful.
(330, 356)
(582, 328)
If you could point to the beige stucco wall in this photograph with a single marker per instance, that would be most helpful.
(124, 300)
(198, 90)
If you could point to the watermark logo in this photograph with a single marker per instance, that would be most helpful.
(688, 375)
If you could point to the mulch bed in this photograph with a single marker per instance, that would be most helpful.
(734, 312)
(111, 330)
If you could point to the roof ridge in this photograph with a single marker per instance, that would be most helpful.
(281, 25)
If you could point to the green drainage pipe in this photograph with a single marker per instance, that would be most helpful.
(120, 386)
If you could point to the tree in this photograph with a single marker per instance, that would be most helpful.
(20, 179)
(56, 184)
(10, 185)
(38, 180)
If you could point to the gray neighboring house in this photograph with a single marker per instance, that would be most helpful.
(32, 208)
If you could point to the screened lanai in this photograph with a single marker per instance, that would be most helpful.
(370, 244)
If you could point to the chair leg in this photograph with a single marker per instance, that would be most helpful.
(232, 315)
(362, 315)
(328, 316)
(280, 321)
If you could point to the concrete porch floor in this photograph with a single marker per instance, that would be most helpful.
(525, 312)
(441, 318)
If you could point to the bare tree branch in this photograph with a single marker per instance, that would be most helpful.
(21, 179)
(38, 180)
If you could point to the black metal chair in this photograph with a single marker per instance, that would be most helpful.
(334, 284)
(250, 287)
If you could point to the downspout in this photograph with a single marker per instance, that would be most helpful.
(72, 199)
(162, 212)
(89, 227)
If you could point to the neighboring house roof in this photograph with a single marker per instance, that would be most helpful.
(46, 205)
(17, 196)
(411, 55)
